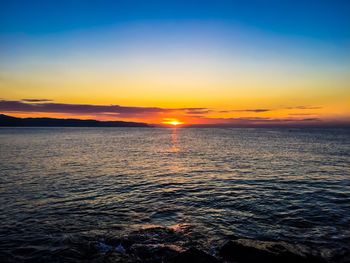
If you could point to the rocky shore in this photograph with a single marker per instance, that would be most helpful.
(161, 245)
(156, 244)
(237, 251)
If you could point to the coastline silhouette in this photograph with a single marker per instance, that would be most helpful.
(9, 121)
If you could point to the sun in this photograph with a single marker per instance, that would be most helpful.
(172, 121)
(175, 123)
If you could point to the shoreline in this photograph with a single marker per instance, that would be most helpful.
(157, 244)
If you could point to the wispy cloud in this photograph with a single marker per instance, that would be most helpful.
(301, 114)
(196, 111)
(260, 110)
(246, 110)
(47, 106)
(36, 100)
(260, 122)
(44, 107)
(304, 108)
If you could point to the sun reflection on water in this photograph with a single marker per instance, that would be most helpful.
(175, 147)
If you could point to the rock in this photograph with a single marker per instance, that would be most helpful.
(193, 255)
(246, 251)
(155, 253)
(120, 249)
(115, 257)
(239, 253)
(343, 256)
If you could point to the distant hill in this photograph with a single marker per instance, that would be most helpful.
(9, 121)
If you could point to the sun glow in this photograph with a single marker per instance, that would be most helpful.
(171, 121)
(175, 123)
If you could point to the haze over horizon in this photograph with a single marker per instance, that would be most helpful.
(190, 62)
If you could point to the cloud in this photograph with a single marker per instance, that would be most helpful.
(252, 110)
(310, 119)
(196, 111)
(258, 122)
(304, 108)
(189, 115)
(46, 106)
(246, 110)
(36, 100)
(301, 114)
(259, 110)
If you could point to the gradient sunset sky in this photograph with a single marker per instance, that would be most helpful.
(227, 62)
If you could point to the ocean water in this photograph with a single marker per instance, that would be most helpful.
(67, 193)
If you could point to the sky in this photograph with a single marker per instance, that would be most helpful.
(194, 62)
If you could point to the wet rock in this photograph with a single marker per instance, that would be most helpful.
(120, 249)
(154, 253)
(246, 250)
(193, 255)
(343, 256)
(117, 258)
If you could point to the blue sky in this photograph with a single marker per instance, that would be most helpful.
(320, 19)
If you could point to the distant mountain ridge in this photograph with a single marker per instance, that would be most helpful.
(9, 121)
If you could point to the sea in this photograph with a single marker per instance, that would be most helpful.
(94, 194)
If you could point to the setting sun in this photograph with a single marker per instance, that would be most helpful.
(171, 121)
(175, 123)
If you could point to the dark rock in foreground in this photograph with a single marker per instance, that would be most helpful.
(174, 244)
(193, 255)
(247, 250)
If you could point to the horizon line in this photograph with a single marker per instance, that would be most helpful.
(185, 125)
